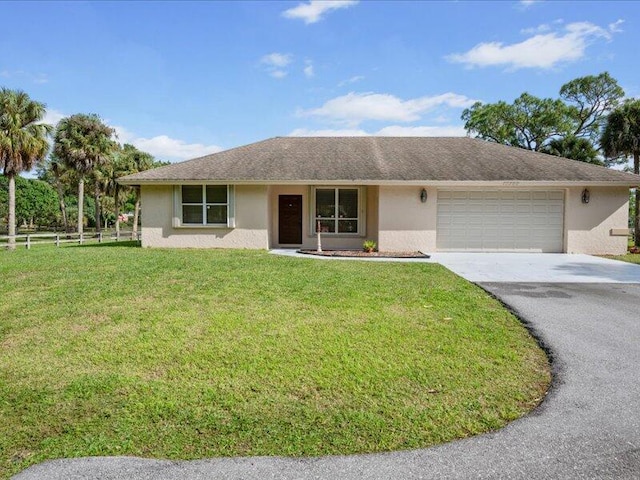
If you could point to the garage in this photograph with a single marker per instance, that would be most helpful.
(500, 220)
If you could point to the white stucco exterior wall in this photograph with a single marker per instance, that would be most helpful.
(588, 226)
(395, 218)
(251, 213)
(405, 223)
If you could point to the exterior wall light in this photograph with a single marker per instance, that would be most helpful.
(586, 196)
(423, 195)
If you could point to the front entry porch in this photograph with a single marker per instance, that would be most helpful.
(347, 216)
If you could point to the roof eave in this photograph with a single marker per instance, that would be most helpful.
(424, 183)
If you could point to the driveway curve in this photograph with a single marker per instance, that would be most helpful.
(588, 427)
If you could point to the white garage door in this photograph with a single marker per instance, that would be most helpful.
(500, 220)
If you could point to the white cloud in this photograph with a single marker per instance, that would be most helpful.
(314, 10)
(615, 26)
(422, 131)
(527, 3)
(543, 50)
(164, 147)
(351, 80)
(347, 132)
(123, 135)
(389, 131)
(308, 69)
(275, 63)
(52, 117)
(276, 59)
(545, 27)
(354, 108)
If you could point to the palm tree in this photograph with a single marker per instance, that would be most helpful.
(576, 148)
(121, 166)
(23, 142)
(621, 138)
(137, 161)
(83, 142)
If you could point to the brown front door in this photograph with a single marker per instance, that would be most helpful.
(289, 219)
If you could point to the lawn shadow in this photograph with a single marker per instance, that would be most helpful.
(123, 243)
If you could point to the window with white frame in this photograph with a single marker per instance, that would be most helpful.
(204, 205)
(337, 210)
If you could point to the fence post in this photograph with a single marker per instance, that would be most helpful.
(99, 237)
(117, 235)
(28, 242)
(57, 239)
(80, 239)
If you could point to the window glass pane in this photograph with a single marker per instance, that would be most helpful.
(217, 194)
(347, 226)
(192, 214)
(191, 194)
(327, 226)
(216, 214)
(348, 203)
(325, 203)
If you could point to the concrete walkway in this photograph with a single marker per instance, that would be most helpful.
(587, 428)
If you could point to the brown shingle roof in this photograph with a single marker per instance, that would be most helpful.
(385, 159)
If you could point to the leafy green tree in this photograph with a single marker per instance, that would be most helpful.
(57, 174)
(530, 122)
(83, 142)
(591, 98)
(36, 202)
(573, 147)
(561, 126)
(23, 142)
(621, 138)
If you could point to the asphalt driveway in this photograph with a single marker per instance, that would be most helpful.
(588, 427)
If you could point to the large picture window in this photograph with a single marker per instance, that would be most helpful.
(204, 205)
(337, 210)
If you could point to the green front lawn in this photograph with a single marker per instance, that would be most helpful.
(629, 257)
(184, 354)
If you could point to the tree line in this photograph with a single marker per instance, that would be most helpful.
(80, 150)
(591, 121)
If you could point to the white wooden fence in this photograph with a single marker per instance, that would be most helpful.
(30, 239)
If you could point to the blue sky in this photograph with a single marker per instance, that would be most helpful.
(182, 79)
